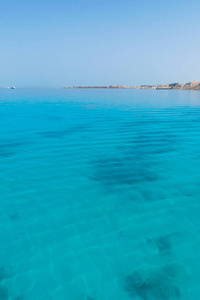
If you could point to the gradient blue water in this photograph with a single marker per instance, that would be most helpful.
(99, 194)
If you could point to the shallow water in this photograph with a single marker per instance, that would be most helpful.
(99, 194)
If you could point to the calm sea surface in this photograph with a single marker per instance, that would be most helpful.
(99, 194)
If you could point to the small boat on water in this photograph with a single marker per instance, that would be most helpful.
(13, 87)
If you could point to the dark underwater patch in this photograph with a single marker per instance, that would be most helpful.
(8, 149)
(177, 292)
(150, 146)
(136, 158)
(64, 132)
(54, 118)
(152, 283)
(3, 274)
(54, 134)
(3, 293)
(4, 153)
(149, 141)
(164, 243)
(122, 171)
(14, 216)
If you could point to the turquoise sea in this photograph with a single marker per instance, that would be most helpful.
(99, 194)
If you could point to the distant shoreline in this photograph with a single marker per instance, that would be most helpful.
(172, 86)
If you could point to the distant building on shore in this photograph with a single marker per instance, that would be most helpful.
(173, 84)
(193, 83)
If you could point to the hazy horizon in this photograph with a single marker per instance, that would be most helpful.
(64, 43)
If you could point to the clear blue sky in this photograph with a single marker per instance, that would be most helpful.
(80, 42)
